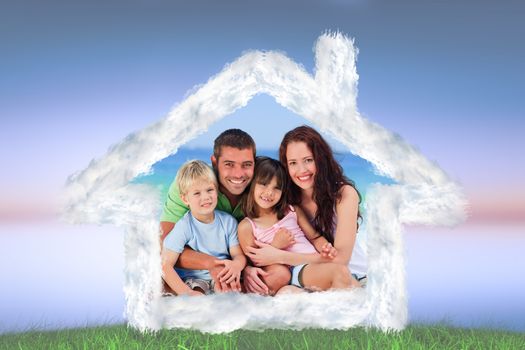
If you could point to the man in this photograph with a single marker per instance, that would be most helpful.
(233, 160)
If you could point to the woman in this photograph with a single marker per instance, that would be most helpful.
(328, 198)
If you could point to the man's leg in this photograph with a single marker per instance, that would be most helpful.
(278, 277)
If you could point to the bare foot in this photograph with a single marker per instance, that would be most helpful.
(290, 290)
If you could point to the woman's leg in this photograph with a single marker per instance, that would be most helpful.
(327, 276)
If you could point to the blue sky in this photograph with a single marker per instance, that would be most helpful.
(78, 77)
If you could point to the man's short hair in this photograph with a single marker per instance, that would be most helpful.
(193, 171)
(235, 138)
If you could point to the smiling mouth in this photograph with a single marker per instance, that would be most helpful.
(266, 199)
(304, 178)
(237, 182)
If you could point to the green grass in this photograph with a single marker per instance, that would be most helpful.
(122, 337)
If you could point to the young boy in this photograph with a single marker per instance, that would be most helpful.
(203, 229)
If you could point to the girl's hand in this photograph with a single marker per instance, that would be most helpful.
(328, 251)
(264, 255)
(283, 239)
(230, 274)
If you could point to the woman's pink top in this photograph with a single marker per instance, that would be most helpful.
(289, 222)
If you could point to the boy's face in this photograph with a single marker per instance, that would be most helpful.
(235, 169)
(201, 198)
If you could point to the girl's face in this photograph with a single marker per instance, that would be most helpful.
(267, 196)
(301, 164)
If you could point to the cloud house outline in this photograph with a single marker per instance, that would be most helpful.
(424, 194)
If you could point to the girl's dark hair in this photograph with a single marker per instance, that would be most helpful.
(265, 169)
(329, 178)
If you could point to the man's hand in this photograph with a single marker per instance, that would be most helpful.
(283, 239)
(231, 273)
(252, 280)
(214, 270)
(328, 251)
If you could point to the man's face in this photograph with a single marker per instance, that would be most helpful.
(234, 168)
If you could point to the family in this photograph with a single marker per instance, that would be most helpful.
(259, 225)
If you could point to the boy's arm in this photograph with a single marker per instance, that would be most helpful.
(320, 243)
(169, 258)
(238, 256)
(192, 260)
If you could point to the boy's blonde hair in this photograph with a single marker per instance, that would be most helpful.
(192, 171)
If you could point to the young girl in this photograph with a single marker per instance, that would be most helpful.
(270, 220)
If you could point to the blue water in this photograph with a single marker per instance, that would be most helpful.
(355, 168)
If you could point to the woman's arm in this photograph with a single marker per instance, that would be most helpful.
(266, 254)
(346, 231)
(320, 243)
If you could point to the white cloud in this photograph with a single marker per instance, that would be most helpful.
(424, 195)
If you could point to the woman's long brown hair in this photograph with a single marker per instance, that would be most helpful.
(329, 178)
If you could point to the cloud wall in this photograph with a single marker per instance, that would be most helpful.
(102, 193)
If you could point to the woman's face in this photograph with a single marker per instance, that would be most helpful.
(301, 164)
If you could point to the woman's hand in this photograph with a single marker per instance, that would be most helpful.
(283, 239)
(264, 255)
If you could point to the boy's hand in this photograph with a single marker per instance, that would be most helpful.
(231, 273)
(328, 251)
(282, 239)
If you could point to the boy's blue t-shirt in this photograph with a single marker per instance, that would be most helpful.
(213, 239)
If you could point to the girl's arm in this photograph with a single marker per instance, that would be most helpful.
(320, 243)
(252, 276)
(169, 258)
(245, 235)
(346, 231)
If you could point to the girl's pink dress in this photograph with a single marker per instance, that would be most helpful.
(289, 222)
